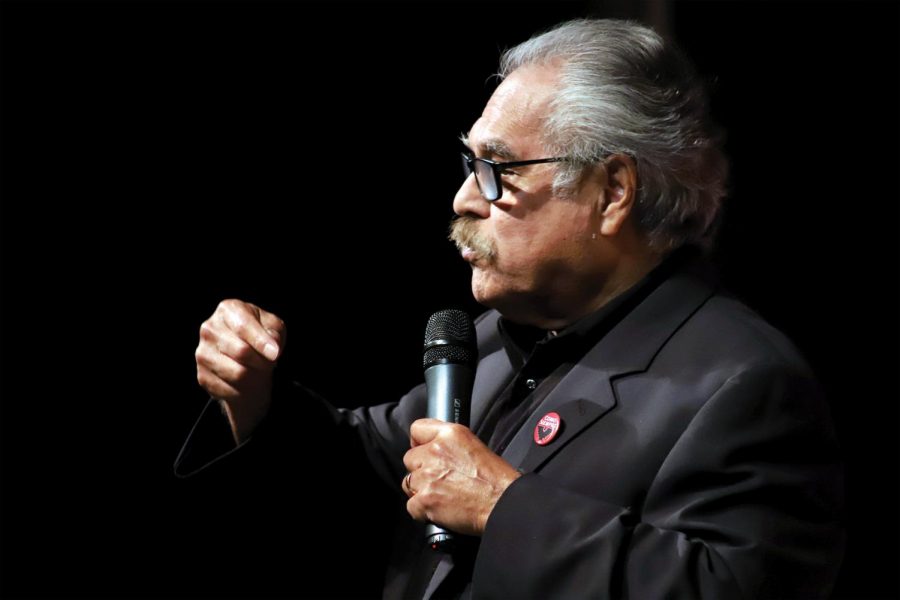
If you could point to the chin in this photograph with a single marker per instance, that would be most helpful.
(483, 288)
(490, 291)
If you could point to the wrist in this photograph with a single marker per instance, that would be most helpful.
(506, 480)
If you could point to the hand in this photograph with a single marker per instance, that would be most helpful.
(239, 346)
(455, 480)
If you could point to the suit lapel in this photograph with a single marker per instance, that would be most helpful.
(493, 374)
(494, 369)
(582, 397)
(586, 393)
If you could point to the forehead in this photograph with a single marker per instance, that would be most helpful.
(514, 116)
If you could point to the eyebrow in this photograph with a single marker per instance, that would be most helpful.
(492, 146)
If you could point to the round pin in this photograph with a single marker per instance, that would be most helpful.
(547, 428)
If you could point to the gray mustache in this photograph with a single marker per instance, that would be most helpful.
(464, 232)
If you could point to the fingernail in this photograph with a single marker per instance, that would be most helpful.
(270, 351)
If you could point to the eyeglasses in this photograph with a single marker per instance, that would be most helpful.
(487, 172)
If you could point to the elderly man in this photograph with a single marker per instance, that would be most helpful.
(691, 456)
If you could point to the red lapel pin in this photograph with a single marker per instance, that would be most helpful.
(547, 428)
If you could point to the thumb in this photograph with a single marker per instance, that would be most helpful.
(423, 431)
(275, 327)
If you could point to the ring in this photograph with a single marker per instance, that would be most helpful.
(406, 484)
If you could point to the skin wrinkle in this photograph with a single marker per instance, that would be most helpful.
(494, 147)
(553, 256)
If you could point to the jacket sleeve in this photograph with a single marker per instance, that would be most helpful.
(746, 505)
(300, 425)
(301, 421)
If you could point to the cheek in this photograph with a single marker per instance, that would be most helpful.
(523, 249)
(517, 242)
(531, 246)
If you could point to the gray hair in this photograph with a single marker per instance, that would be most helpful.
(623, 90)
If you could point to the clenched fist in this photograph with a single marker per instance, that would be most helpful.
(239, 346)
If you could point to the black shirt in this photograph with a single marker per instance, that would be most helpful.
(541, 358)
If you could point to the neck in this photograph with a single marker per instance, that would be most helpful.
(567, 304)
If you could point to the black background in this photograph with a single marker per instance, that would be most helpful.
(160, 157)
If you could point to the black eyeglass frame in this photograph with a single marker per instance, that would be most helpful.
(497, 169)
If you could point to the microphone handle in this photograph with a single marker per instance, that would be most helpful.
(449, 388)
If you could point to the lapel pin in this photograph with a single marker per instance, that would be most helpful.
(547, 428)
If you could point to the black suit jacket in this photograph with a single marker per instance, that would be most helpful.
(696, 460)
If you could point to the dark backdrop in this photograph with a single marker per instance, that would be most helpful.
(160, 157)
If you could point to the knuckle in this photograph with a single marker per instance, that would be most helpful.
(457, 431)
(200, 355)
(234, 313)
(436, 448)
(237, 319)
(205, 378)
(206, 330)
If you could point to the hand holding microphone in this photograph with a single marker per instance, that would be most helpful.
(454, 479)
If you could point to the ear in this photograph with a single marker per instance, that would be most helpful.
(618, 193)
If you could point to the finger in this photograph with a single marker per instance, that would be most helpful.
(228, 343)
(415, 509)
(224, 367)
(406, 485)
(423, 431)
(275, 326)
(215, 386)
(412, 460)
(242, 319)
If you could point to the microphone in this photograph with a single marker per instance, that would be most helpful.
(449, 359)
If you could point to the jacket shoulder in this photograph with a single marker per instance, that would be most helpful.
(726, 332)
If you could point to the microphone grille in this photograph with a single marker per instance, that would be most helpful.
(450, 337)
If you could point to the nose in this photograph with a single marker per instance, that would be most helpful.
(469, 201)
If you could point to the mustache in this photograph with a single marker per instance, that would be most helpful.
(464, 233)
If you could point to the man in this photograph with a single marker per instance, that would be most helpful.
(690, 453)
